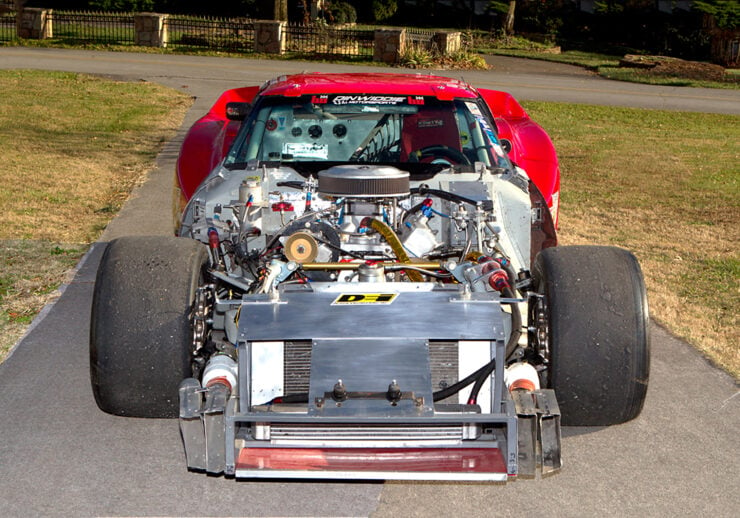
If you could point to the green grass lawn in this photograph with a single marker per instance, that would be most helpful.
(73, 148)
(663, 184)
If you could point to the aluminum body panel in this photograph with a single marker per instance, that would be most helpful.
(306, 314)
(367, 335)
(267, 371)
(370, 366)
(191, 423)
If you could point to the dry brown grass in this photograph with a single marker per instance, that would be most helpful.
(664, 185)
(73, 148)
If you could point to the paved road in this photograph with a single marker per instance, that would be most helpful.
(60, 456)
(525, 79)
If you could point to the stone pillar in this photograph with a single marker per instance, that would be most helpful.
(389, 45)
(269, 36)
(447, 42)
(34, 24)
(150, 30)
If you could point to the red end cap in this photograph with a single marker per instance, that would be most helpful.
(282, 206)
(498, 280)
(213, 240)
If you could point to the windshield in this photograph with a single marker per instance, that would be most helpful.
(367, 128)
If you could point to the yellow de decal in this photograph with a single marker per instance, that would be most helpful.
(364, 298)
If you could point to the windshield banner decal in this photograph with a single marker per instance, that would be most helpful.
(389, 100)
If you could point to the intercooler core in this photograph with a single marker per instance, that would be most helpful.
(443, 359)
(364, 181)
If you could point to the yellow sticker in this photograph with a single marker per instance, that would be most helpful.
(364, 298)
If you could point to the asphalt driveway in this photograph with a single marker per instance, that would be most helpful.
(61, 456)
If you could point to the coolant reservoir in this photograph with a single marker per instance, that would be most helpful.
(418, 238)
(250, 186)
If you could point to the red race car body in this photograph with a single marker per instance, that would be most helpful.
(209, 139)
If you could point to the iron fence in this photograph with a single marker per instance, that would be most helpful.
(234, 34)
(231, 34)
(7, 26)
(420, 37)
(91, 27)
(320, 40)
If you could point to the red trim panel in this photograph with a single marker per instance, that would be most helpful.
(374, 461)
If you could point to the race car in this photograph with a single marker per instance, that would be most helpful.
(365, 283)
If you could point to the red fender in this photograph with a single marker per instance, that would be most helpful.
(531, 147)
(208, 141)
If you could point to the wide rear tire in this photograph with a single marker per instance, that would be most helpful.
(140, 329)
(596, 319)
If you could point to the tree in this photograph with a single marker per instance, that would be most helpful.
(509, 23)
(384, 9)
(505, 8)
(281, 10)
(726, 13)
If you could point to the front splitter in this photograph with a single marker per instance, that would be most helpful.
(480, 464)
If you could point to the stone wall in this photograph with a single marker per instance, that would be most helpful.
(151, 31)
(269, 37)
(34, 23)
(389, 45)
(447, 42)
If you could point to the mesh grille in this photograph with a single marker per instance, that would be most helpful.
(365, 186)
(296, 367)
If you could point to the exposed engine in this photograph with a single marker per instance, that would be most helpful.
(267, 227)
(367, 223)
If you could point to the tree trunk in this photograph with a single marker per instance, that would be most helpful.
(509, 22)
(18, 4)
(281, 10)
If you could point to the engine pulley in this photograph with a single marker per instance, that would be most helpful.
(301, 247)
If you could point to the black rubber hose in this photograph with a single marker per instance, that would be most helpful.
(457, 387)
(294, 185)
(445, 195)
(506, 266)
(412, 210)
(516, 332)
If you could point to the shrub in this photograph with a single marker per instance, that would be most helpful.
(341, 12)
(384, 9)
(416, 56)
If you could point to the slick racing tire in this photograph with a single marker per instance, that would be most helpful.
(592, 324)
(140, 330)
